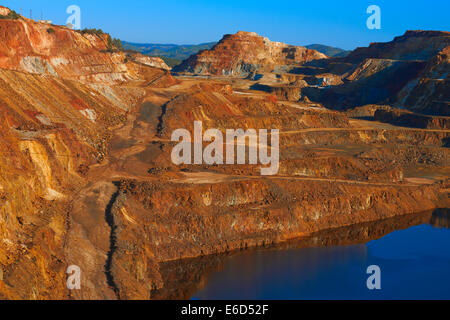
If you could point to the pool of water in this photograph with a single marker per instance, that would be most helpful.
(413, 256)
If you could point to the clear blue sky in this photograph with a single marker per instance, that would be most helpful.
(299, 22)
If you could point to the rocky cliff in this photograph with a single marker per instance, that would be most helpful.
(246, 52)
(155, 62)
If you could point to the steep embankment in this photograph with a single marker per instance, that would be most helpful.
(333, 172)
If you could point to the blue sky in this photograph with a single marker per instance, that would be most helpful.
(299, 22)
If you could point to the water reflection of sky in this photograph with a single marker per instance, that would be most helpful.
(414, 264)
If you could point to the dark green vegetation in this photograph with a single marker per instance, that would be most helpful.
(12, 15)
(329, 51)
(175, 52)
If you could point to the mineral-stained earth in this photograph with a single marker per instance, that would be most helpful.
(86, 176)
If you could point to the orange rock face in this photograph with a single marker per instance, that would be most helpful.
(246, 52)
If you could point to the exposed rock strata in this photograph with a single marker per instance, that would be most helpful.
(86, 177)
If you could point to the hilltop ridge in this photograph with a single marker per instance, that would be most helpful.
(87, 176)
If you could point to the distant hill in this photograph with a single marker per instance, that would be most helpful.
(329, 51)
(172, 54)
